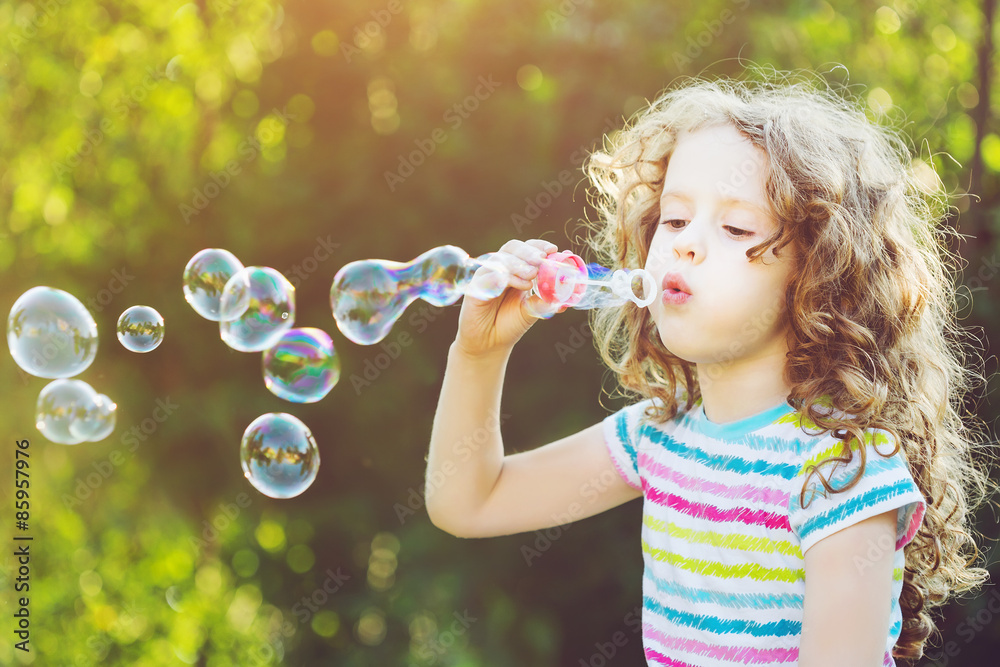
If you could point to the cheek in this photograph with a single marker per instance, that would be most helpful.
(659, 252)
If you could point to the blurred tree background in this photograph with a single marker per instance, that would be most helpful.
(304, 135)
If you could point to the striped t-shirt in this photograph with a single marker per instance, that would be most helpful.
(723, 532)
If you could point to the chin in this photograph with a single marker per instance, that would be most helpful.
(679, 350)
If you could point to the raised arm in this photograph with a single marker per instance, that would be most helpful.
(471, 488)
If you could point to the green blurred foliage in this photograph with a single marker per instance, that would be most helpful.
(135, 134)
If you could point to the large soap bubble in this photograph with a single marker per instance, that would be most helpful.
(140, 329)
(63, 409)
(271, 312)
(279, 455)
(302, 367)
(50, 334)
(205, 277)
(368, 296)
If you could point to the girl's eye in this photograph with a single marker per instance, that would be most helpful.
(735, 231)
(741, 232)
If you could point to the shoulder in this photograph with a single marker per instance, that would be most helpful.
(831, 451)
(842, 481)
(639, 423)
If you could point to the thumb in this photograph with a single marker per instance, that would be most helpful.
(538, 308)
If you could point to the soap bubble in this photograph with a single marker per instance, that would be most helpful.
(98, 422)
(279, 455)
(302, 367)
(205, 277)
(50, 334)
(140, 329)
(368, 296)
(62, 404)
(271, 312)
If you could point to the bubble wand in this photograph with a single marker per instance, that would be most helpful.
(368, 296)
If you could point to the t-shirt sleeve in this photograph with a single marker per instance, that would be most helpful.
(886, 484)
(621, 435)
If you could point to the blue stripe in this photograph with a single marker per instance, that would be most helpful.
(735, 600)
(622, 422)
(856, 504)
(719, 462)
(875, 465)
(873, 469)
(770, 443)
(719, 626)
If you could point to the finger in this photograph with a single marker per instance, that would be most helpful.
(545, 246)
(517, 266)
(519, 283)
(539, 308)
(530, 253)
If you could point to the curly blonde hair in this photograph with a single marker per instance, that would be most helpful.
(869, 313)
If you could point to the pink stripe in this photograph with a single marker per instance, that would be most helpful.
(743, 492)
(918, 515)
(621, 473)
(712, 513)
(888, 662)
(737, 654)
(660, 659)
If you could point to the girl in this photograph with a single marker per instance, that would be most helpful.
(806, 478)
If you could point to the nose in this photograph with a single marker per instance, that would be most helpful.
(689, 242)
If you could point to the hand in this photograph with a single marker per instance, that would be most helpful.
(494, 326)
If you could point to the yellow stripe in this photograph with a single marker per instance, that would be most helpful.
(871, 439)
(748, 570)
(729, 541)
(797, 419)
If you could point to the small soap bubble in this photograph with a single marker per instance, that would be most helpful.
(50, 334)
(271, 312)
(140, 329)
(302, 367)
(279, 455)
(98, 422)
(205, 278)
(62, 405)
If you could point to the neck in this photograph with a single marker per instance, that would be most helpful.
(741, 388)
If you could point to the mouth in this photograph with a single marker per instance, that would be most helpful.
(674, 284)
(674, 296)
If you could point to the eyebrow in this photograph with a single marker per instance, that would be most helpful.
(729, 201)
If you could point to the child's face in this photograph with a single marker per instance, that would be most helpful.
(712, 210)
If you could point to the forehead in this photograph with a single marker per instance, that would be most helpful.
(716, 161)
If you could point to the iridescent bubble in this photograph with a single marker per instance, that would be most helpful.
(61, 404)
(205, 277)
(50, 334)
(302, 367)
(98, 422)
(279, 455)
(140, 329)
(271, 312)
(368, 296)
